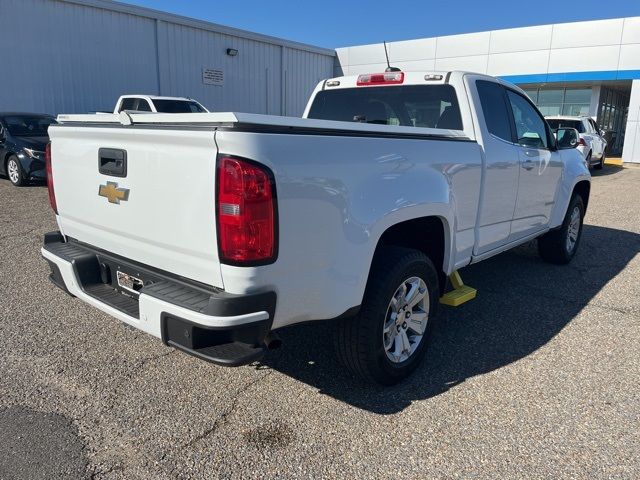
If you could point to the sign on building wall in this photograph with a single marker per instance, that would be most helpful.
(212, 76)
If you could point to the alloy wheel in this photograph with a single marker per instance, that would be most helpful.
(13, 171)
(406, 319)
(573, 229)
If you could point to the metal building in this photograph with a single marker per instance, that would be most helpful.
(75, 56)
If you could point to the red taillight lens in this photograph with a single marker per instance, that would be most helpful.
(246, 212)
(52, 193)
(386, 78)
(581, 142)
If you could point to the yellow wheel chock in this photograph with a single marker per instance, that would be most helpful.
(460, 294)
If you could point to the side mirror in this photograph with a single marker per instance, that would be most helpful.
(567, 138)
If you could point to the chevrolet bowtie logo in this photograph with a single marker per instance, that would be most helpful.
(113, 193)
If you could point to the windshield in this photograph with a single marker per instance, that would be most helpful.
(428, 106)
(20, 126)
(177, 106)
(555, 124)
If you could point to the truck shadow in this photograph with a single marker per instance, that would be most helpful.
(522, 304)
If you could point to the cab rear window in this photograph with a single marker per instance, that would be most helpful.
(427, 106)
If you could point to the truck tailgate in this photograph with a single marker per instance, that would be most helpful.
(165, 216)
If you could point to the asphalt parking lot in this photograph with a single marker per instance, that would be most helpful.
(539, 377)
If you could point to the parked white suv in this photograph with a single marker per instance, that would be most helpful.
(592, 143)
(154, 104)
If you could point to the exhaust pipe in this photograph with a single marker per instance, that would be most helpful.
(272, 341)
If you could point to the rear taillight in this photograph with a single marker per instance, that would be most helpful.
(581, 142)
(387, 78)
(52, 193)
(246, 208)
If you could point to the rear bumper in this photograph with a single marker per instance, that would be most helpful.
(33, 168)
(210, 324)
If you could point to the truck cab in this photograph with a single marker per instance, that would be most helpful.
(155, 104)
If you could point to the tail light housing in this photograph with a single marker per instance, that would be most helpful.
(387, 78)
(581, 142)
(52, 193)
(246, 212)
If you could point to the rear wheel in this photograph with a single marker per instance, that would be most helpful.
(600, 165)
(388, 338)
(14, 171)
(588, 160)
(559, 246)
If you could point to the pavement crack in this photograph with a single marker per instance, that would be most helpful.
(218, 422)
(144, 361)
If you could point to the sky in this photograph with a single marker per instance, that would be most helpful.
(340, 23)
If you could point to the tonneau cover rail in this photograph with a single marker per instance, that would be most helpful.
(250, 121)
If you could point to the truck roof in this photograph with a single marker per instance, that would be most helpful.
(154, 97)
(567, 117)
(430, 77)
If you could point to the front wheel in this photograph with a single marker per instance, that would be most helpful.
(14, 171)
(559, 246)
(386, 341)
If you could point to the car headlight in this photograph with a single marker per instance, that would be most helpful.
(37, 154)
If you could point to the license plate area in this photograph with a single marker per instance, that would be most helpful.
(129, 283)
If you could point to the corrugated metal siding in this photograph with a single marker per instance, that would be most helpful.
(61, 58)
(302, 71)
(78, 58)
(251, 79)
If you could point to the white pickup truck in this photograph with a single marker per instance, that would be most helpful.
(211, 230)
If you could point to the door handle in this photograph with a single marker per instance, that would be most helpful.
(112, 162)
(528, 164)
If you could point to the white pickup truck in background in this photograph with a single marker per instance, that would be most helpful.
(211, 230)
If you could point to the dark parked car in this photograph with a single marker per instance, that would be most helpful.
(23, 139)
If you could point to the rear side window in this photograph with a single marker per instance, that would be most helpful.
(555, 124)
(426, 106)
(143, 106)
(128, 104)
(135, 104)
(177, 106)
(494, 109)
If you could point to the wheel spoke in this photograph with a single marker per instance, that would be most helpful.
(406, 344)
(401, 295)
(411, 294)
(397, 350)
(391, 324)
(418, 322)
(417, 297)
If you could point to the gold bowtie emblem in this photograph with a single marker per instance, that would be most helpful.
(112, 193)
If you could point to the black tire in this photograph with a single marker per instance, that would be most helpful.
(600, 165)
(18, 180)
(359, 340)
(553, 246)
